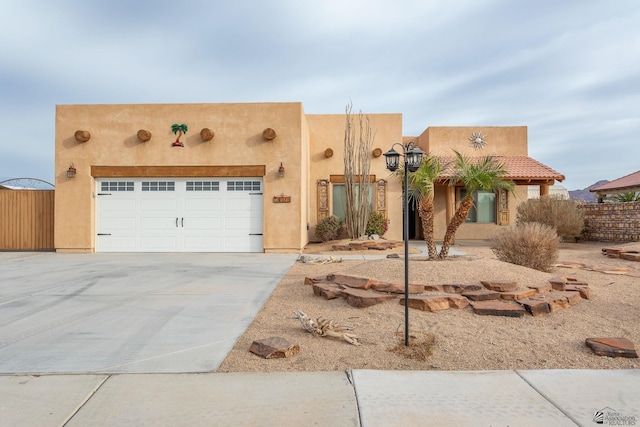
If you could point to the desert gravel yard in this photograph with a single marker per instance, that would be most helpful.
(453, 339)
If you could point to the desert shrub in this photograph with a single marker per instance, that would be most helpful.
(329, 228)
(532, 245)
(377, 224)
(564, 216)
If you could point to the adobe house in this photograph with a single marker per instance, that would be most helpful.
(251, 177)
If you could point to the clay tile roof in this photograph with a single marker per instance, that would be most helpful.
(631, 180)
(519, 168)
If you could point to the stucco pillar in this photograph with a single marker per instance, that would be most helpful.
(544, 190)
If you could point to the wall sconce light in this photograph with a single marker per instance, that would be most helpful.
(281, 170)
(71, 172)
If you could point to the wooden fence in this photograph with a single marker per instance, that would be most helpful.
(26, 220)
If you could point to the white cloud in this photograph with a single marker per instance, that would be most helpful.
(568, 70)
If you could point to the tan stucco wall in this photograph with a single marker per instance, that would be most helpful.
(238, 141)
(300, 145)
(500, 140)
(471, 231)
(327, 131)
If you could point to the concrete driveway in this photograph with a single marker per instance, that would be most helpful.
(137, 313)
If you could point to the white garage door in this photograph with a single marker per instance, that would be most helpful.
(179, 215)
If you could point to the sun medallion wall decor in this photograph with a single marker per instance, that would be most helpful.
(178, 130)
(478, 140)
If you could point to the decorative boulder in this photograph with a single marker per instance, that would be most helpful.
(274, 348)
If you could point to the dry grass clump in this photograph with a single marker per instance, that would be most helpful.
(420, 346)
(531, 245)
(563, 215)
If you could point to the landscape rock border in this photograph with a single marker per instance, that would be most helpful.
(486, 297)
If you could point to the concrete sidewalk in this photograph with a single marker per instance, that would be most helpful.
(355, 398)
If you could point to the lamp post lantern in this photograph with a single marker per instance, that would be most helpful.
(412, 159)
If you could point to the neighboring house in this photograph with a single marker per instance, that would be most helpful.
(251, 177)
(628, 183)
(555, 191)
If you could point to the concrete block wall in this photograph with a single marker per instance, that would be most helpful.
(612, 222)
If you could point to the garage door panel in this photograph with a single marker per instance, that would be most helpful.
(202, 204)
(114, 204)
(237, 243)
(203, 243)
(240, 204)
(158, 223)
(191, 215)
(203, 223)
(158, 205)
(235, 224)
(124, 224)
(158, 243)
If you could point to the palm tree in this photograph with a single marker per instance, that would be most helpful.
(482, 175)
(179, 130)
(421, 191)
(629, 196)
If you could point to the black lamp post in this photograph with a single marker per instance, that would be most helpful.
(412, 160)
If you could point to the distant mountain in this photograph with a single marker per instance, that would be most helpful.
(585, 194)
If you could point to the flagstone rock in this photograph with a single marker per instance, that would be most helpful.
(630, 256)
(498, 308)
(460, 288)
(396, 288)
(558, 300)
(327, 290)
(341, 248)
(612, 347)
(568, 264)
(558, 283)
(535, 308)
(574, 281)
(585, 291)
(572, 296)
(542, 288)
(436, 302)
(274, 348)
(612, 252)
(351, 281)
(311, 280)
(500, 285)
(620, 270)
(517, 294)
(481, 295)
(361, 298)
(453, 288)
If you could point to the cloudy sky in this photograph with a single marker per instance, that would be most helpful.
(569, 70)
